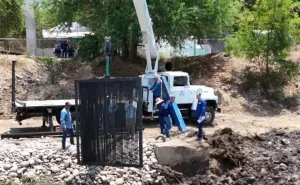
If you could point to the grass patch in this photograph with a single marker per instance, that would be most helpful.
(23, 62)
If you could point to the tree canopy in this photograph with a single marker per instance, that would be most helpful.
(267, 32)
(11, 17)
(172, 20)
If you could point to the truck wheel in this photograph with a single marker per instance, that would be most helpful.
(210, 115)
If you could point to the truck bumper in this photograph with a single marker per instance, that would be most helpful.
(219, 110)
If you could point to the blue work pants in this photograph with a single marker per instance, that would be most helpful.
(65, 133)
(168, 125)
(200, 130)
(161, 124)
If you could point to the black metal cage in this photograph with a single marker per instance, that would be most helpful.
(109, 121)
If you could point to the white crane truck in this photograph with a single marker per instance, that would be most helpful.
(175, 83)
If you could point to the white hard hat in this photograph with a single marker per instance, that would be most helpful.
(158, 101)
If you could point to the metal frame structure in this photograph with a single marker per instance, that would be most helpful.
(98, 134)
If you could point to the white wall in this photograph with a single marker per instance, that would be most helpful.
(46, 52)
(189, 50)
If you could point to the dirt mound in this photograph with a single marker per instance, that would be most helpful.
(119, 67)
(49, 78)
(226, 150)
(272, 158)
(201, 67)
(275, 160)
(171, 176)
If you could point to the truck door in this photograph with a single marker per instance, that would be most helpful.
(180, 88)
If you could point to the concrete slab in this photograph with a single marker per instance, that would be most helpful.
(183, 157)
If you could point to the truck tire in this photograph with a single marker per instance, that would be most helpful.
(210, 115)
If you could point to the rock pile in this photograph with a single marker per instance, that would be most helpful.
(272, 158)
(41, 160)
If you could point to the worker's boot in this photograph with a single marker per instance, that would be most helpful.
(199, 139)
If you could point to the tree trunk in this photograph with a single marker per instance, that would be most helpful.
(133, 51)
(125, 48)
(267, 66)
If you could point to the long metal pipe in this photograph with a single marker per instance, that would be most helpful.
(13, 85)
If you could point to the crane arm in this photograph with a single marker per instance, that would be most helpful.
(151, 47)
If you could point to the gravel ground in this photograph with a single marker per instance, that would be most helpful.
(41, 160)
(273, 154)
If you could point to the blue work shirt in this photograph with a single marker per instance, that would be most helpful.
(107, 48)
(156, 88)
(201, 108)
(65, 118)
(130, 111)
(161, 110)
(165, 109)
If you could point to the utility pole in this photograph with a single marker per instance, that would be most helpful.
(107, 50)
(30, 28)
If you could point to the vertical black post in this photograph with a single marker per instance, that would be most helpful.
(140, 120)
(13, 85)
(77, 122)
(107, 48)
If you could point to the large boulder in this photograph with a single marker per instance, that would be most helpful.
(183, 157)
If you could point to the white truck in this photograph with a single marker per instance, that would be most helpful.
(177, 82)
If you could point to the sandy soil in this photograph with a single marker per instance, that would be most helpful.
(240, 123)
(247, 125)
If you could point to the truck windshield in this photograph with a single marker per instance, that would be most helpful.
(180, 81)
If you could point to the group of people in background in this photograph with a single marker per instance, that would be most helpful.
(165, 110)
(63, 49)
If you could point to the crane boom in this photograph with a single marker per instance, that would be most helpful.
(151, 47)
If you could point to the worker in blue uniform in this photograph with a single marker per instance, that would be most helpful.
(160, 106)
(200, 113)
(164, 114)
(130, 110)
(66, 125)
(167, 116)
(156, 88)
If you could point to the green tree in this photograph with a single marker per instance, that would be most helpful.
(173, 20)
(11, 17)
(267, 32)
(212, 18)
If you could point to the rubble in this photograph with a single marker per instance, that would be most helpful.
(41, 160)
(272, 158)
